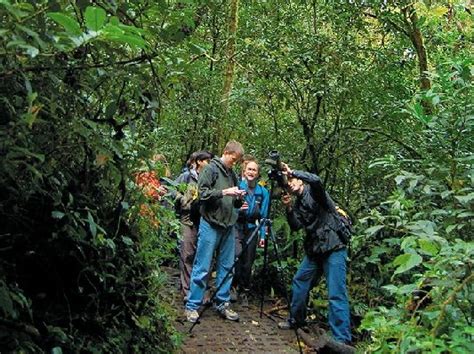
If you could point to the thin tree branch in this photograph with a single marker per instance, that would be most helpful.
(372, 130)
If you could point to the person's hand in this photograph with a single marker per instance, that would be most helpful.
(261, 243)
(162, 190)
(244, 206)
(286, 200)
(234, 192)
(286, 169)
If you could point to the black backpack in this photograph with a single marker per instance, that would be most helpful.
(345, 229)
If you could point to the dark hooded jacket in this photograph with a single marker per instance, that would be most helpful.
(215, 208)
(315, 211)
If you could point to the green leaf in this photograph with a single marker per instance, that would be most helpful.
(6, 303)
(92, 224)
(465, 199)
(392, 289)
(69, 24)
(127, 240)
(408, 243)
(373, 230)
(110, 110)
(406, 262)
(30, 50)
(56, 350)
(14, 9)
(439, 11)
(57, 214)
(428, 246)
(196, 49)
(451, 228)
(466, 214)
(95, 18)
(133, 41)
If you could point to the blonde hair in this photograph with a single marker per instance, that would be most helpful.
(246, 159)
(234, 147)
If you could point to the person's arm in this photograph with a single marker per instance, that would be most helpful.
(316, 185)
(207, 192)
(291, 216)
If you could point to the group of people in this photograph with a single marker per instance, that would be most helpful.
(219, 213)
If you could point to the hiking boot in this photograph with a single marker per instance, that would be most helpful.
(286, 325)
(191, 315)
(339, 347)
(226, 312)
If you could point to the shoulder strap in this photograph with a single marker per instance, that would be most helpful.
(214, 174)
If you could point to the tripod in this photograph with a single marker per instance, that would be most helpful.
(264, 222)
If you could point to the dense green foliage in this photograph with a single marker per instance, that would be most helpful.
(377, 97)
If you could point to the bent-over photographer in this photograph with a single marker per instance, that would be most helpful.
(325, 248)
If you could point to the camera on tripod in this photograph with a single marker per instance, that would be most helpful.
(276, 172)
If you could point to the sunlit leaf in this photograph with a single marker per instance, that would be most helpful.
(406, 262)
(95, 18)
(69, 24)
(428, 246)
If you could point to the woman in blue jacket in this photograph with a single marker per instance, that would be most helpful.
(255, 208)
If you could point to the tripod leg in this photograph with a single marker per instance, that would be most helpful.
(265, 223)
(272, 238)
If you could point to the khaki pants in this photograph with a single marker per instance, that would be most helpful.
(187, 252)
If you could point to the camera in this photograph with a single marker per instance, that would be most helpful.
(276, 172)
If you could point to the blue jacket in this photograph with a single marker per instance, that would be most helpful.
(258, 200)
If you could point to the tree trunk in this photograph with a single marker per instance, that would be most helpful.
(411, 19)
(230, 55)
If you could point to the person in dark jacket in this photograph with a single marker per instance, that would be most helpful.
(325, 248)
(220, 199)
(186, 207)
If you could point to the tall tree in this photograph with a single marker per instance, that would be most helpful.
(233, 21)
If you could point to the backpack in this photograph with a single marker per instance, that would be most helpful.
(345, 231)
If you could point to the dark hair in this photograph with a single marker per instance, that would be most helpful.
(203, 155)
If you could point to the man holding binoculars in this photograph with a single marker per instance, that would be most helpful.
(221, 199)
(325, 247)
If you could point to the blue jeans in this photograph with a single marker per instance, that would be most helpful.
(211, 238)
(308, 274)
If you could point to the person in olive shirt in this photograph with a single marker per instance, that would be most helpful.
(220, 198)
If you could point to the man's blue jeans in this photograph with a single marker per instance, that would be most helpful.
(211, 238)
(308, 274)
